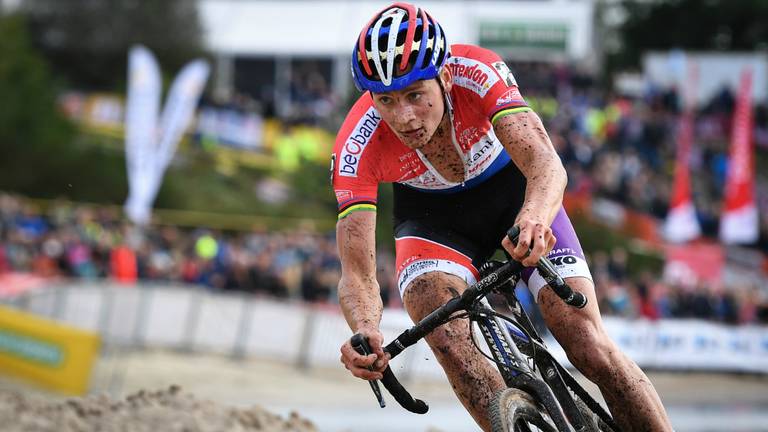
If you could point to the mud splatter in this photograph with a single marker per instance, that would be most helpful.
(442, 154)
(358, 289)
(626, 389)
(475, 381)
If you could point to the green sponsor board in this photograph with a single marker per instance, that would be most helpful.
(31, 349)
(551, 37)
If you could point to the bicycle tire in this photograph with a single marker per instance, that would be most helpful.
(594, 422)
(514, 410)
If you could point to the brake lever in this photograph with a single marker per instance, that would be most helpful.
(550, 275)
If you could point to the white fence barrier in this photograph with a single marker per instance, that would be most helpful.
(184, 318)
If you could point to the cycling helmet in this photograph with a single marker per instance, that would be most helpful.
(399, 46)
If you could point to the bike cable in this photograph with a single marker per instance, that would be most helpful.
(474, 342)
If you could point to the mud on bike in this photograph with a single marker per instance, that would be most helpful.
(541, 394)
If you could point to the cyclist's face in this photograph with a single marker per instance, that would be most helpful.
(413, 113)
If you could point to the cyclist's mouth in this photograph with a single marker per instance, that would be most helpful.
(412, 133)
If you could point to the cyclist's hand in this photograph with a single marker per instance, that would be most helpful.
(535, 235)
(359, 364)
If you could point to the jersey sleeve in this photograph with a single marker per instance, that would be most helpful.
(498, 91)
(353, 169)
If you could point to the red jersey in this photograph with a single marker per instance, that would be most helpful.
(367, 152)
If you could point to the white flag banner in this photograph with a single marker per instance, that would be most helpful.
(681, 224)
(142, 107)
(180, 106)
(149, 146)
(177, 114)
(739, 221)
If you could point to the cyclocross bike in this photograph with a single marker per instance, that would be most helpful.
(541, 395)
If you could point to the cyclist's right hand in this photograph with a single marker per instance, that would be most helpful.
(359, 364)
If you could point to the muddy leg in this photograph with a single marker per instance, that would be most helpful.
(629, 393)
(473, 378)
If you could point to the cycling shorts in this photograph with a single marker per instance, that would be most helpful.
(456, 233)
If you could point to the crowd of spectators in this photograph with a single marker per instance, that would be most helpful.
(85, 242)
(613, 146)
(69, 241)
(623, 148)
(650, 297)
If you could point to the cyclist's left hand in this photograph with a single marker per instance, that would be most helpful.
(533, 234)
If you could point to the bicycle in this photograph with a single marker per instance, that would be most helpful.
(541, 394)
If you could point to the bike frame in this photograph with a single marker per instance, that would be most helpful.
(553, 389)
(506, 337)
(553, 373)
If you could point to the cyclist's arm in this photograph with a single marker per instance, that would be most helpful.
(359, 292)
(525, 139)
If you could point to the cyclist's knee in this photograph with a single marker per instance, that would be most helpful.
(451, 341)
(430, 290)
(594, 353)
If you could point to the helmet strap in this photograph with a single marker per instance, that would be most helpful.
(447, 100)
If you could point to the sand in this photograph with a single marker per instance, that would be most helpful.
(173, 391)
(171, 409)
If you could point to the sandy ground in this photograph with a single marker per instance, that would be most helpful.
(170, 409)
(262, 395)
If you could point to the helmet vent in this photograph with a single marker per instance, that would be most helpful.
(399, 46)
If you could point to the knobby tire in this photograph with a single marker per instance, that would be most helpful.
(516, 411)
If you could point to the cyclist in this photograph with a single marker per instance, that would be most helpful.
(467, 159)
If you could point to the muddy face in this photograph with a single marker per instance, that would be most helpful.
(417, 115)
(413, 113)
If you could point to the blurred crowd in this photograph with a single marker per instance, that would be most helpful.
(623, 148)
(613, 146)
(649, 296)
(83, 242)
(80, 242)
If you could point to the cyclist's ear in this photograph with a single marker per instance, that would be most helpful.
(446, 78)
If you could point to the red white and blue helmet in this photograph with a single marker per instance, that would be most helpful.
(399, 46)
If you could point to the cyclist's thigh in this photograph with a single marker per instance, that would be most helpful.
(421, 249)
(428, 256)
(567, 256)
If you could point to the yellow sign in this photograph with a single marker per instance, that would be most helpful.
(45, 352)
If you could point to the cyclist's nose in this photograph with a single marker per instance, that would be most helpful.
(405, 115)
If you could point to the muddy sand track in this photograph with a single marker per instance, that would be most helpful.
(171, 410)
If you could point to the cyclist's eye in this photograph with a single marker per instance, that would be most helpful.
(414, 96)
(385, 100)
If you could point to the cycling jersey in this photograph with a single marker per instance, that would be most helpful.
(367, 152)
(456, 234)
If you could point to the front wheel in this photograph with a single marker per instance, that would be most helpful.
(516, 411)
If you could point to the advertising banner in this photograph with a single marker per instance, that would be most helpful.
(230, 127)
(47, 353)
(689, 264)
(176, 117)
